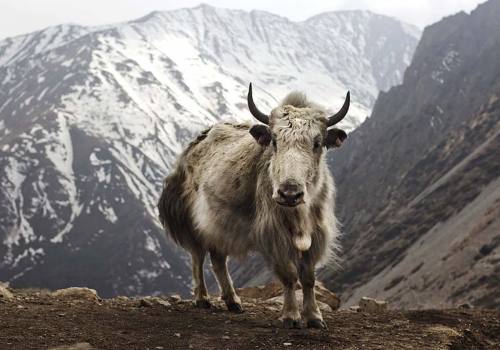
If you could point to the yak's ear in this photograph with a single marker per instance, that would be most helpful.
(262, 134)
(335, 137)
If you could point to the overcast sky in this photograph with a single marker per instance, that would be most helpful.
(22, 16)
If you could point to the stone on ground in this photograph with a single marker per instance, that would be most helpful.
(76, 293)
(5, 294)
(372, 305)
(151, 301)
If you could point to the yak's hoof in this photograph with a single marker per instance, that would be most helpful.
(316, 323)
(290, 323)
(203, 304)
(235, 307)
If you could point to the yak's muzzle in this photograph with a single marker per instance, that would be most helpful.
(290, 194)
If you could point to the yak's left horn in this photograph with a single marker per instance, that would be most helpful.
(337, 117)
(263, 118)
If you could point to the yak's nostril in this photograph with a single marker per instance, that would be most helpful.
(299, 195)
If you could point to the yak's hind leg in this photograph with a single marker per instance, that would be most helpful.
(312, 314)
(287, 273)
(228, 294)
(200, 289)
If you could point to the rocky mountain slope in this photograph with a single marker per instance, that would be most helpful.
(419, 181)
(70, 321)
(91, 120)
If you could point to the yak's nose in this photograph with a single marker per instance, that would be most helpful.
(290, 194)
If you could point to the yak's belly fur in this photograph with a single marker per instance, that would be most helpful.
(224, 226)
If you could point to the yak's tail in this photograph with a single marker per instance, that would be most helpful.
(174, 212)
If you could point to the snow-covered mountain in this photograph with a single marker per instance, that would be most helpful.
(91, 120)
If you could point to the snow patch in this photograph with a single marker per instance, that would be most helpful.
(108, 212)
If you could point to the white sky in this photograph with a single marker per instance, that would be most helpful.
(22, 16)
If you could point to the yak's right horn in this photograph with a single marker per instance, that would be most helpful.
(263, 118)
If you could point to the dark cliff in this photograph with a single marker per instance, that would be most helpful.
(418, 182)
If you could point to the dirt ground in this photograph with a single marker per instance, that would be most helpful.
(38, 320)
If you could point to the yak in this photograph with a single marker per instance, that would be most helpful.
(265, 188)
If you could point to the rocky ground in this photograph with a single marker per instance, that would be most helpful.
(79, 319)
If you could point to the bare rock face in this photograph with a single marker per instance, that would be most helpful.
(76, 293)
(419, 182)
(5, 294)
(372, 305)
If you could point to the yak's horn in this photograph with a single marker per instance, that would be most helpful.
(263, 118)
(337, 117)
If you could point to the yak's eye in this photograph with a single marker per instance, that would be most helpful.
(316, 144)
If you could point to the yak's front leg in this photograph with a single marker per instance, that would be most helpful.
(287, 273)
(312, 314)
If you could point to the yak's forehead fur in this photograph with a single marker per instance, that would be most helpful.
(299, 100)
(298, 119)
